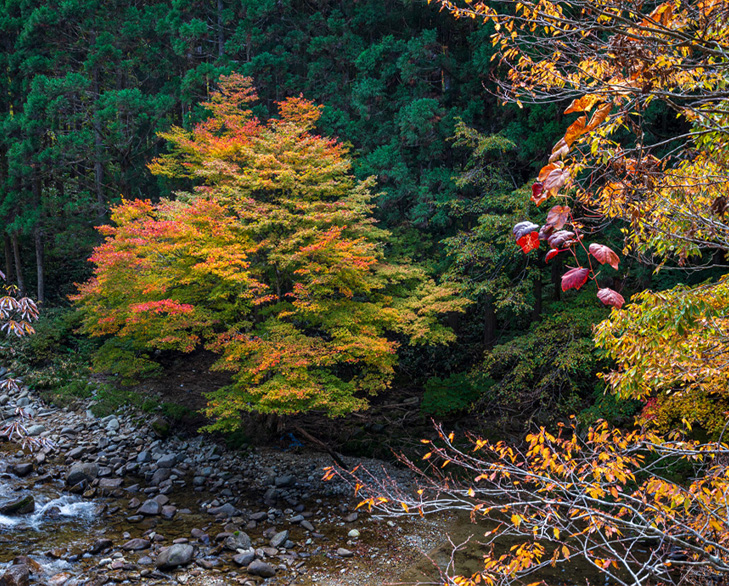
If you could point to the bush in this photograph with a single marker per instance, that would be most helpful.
(455, 393)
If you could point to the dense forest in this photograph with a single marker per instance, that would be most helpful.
(513, 212)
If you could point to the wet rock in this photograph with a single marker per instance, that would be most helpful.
(344, 553)
(35, 430)
(100, 545)
(226, 510)
(168, 511)
(145, 560)
(136, 544)
(110, 484)
(284, 481)
(245, 558)
(82, 472)
(179, 554)
(160, 475)
(76, 452)
(279, 539)
(167, 461)
(59, 579)
(259, 568)
(16, 575)
(20, 506)
(150, 507)
(237, 541)
(22, 469)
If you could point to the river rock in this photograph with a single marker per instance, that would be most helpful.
(237, 541)
(344, 553)
(259, 568)
(82, 472)
(150, 507)
(167, 461)
(226, 510)
(59, 579)
(245, 558)
(179, 554)
(284, 481)
(160, 475)
(20, 506)
(113, 424)
(16, 575)
(136, 544)
(22, 469)
(37, 429)
(279, 539)
(100, 545)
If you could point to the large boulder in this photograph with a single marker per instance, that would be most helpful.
(82, 472)
(259, 568)
(238, 540)
(178, 554)
(16, 575)
(19, 506)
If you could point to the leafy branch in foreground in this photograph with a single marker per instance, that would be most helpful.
(604, 497)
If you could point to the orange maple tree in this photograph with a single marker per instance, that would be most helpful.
(274, 262)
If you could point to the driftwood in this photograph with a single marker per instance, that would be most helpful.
(317, 442)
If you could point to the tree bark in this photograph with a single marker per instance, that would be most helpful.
(39, 262)
(221, 32)
(18, 265)
(98, 148)
(557, 278)
(9, 277)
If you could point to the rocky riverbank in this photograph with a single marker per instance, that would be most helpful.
(122, 500)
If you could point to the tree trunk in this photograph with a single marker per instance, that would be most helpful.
(221, 32)
(18, 265)
(98, 149)
(39, 262)
(557, 278)
(9, 277)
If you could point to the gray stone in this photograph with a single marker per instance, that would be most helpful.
(167, 461)
(22, 469)
(150, 507)
(22, 402)
(76, 452)
(19, 506)
(82, 472)
(113, 425)
(279, 539)
(4, 400)
(226, 510)
(238, 540)
(259, 568)
(16, 575)
(110, 483)
(284, 481)
(354, 534)
(35, 430)
(245, 558)
(307, 525)
(143, 457)
(344, 553)
(136, 544)
(176, 555)
(160, 475)
(168, 511)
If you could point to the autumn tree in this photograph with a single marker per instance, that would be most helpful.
(602, 496)
(274, 262)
